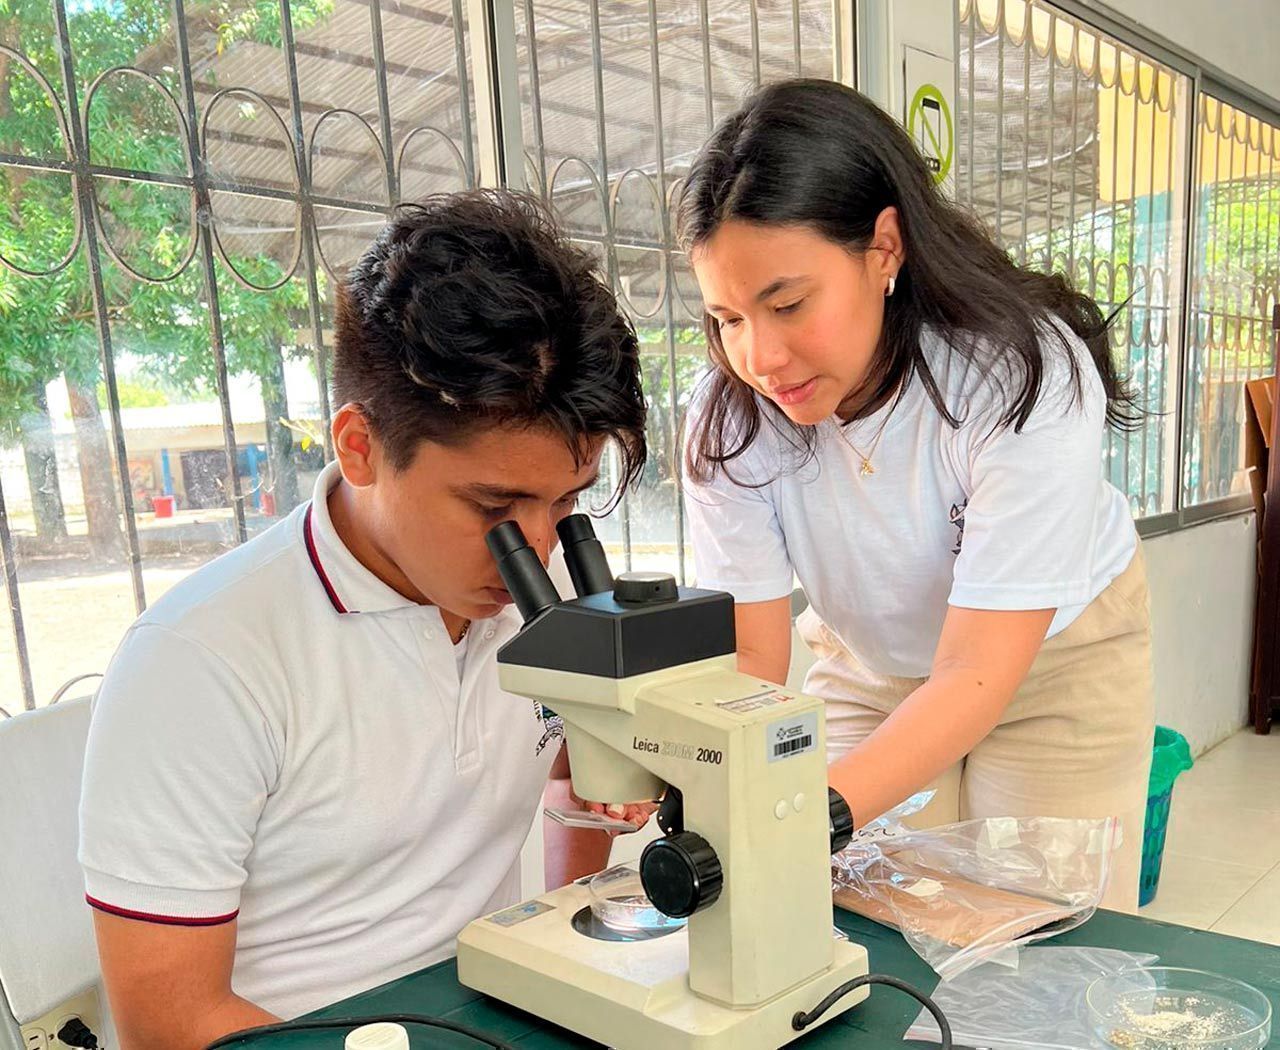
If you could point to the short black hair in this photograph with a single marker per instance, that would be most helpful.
(472, 310)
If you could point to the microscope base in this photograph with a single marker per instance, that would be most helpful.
(631, 995)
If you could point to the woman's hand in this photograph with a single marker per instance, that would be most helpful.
(981, 660)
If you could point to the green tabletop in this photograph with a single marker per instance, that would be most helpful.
(877, 1024)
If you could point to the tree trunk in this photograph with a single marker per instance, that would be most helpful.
(97, 476)
(42, 468)
(282, 471)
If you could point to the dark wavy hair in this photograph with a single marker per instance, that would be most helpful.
(472, 310)
(816, 154)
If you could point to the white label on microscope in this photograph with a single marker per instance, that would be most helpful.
(764, 698)
(521, 913)
(792, 736)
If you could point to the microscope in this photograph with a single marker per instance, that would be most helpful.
(644, 675)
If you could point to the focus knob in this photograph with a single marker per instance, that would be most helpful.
(645, 587)
(841, 820)
(681, 874)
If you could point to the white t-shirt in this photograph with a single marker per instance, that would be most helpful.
(286, 739)
(976, 516)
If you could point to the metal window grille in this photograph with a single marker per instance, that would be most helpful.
(1235, 285)
(1072, 150)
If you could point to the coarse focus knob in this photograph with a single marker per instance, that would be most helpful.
(681, 874)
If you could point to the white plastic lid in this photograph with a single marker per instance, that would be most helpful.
(381, 1036)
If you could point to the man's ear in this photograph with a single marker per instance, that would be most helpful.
(355, 446)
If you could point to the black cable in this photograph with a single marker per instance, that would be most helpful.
(803, 1020)
(799, 1022)
(251, 1034)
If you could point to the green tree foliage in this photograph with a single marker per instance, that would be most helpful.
(48, 323)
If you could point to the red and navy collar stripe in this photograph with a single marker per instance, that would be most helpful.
(310, 540)
(163, 920)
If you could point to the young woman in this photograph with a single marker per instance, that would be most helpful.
(912, 425)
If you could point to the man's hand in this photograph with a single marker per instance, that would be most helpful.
(637, 813)
(570, 853)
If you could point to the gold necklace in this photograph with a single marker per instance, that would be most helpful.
(466, 626)
(867, 469)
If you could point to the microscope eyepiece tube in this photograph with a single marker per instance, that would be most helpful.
(522, 571)
(584, 555)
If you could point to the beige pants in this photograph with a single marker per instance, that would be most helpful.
(1075, 741)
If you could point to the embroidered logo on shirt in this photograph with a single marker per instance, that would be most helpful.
(552, 727)
(956, 517)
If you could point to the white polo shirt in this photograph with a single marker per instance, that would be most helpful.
(976, 516)
(286, 740)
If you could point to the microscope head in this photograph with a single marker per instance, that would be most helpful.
(636, 624)
(585, 657)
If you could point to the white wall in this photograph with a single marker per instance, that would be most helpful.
(1240, 37)
(885, 27)
(1202, 593)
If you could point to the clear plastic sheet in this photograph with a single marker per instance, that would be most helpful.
(1040, 1004)
(974, 892)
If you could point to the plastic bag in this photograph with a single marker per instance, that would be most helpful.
(1041, 1004)
(891, 824)
(1170, 758)
(973, 892)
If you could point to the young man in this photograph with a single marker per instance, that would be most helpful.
(303, 778)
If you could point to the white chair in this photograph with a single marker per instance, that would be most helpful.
(47, 949)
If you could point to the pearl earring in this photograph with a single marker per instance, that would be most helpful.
(892, 281)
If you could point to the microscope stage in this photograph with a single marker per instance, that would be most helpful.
(633, 994)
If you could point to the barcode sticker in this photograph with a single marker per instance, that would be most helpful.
(792, 736)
